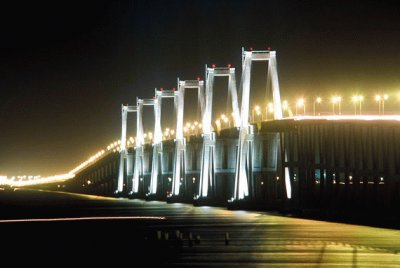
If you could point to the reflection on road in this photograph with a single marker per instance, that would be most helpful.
(204, 236)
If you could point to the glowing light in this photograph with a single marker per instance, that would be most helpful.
(270, 107)
(285, 105)
(300, 102)
(35, 180)
(336, 99)
(318, 99)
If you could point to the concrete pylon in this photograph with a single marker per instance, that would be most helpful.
(125, 109)
(179, 172)
(157, 140)
(139, 163)
(207, 178)
(244, 165)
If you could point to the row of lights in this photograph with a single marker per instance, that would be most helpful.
(26, 180)
(115, 146)
(189, 129)
(336, 101)
(192, 128)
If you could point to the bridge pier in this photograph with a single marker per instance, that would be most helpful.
(180, 191)
(211, 149)
(244, 180)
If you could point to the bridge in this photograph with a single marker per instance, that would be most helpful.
(332, 163)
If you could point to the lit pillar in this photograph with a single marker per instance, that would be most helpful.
(245, 150)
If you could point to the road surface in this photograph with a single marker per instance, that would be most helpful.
(39, 223)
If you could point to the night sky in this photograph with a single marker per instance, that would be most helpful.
(66, 67)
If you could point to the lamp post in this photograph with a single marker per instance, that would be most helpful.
(357, 100)
(301, 103)
(385, 97)
(381, 103)
(318, 100)
(336, 100)
(218, 124)
(257, 110)
(270, 109)
(225, 119)
(378, 100)
(285, 105)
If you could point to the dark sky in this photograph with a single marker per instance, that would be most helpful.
(67, 66)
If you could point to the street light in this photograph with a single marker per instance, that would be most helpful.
(336, 100)
(255, 109)
(285, 105)
(318, 100)
(218, 124)
(357, 99)
(225, 119)
(301, 103)
(360, 99)
(269, 109)
(385, 97)
(380, 99)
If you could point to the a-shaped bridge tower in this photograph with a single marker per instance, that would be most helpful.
(139, 160)
(243, 176)
(179, 172)
(123, 151)
(156, 168)
(208, 151)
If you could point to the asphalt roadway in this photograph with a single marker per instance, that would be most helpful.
(53, 227)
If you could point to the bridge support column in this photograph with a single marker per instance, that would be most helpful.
(156, 169)
(123, 152)
(243, 180)
(179, 166)
(207, 172)
(207, 165)
(179, 173)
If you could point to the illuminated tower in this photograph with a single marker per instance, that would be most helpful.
(157, 140)
(139, 162)
(123, 152)
(208, 151)
(180, 143)
(243, 175)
